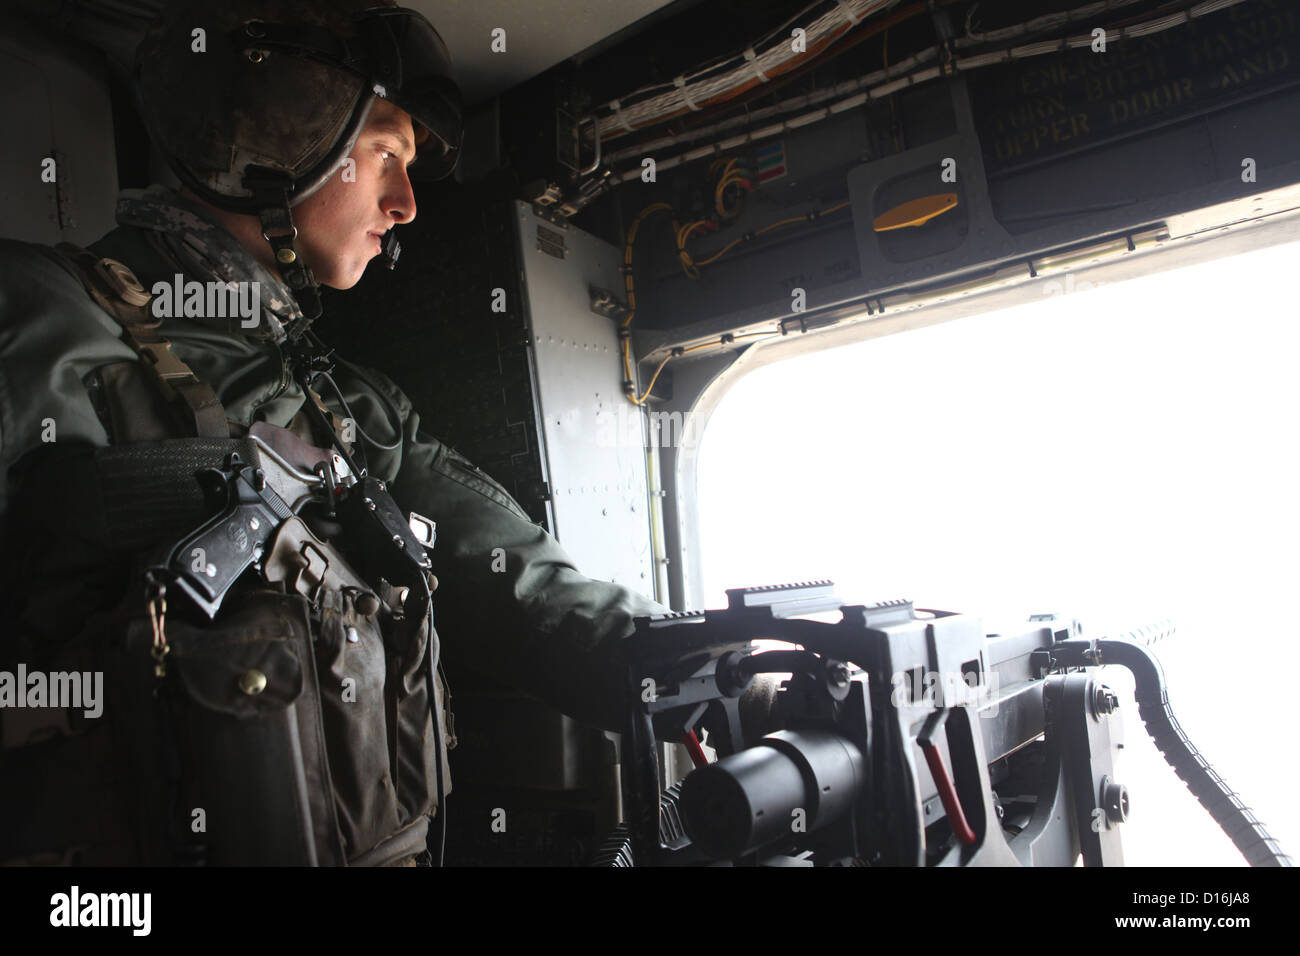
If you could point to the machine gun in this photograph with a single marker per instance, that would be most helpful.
(911, 738)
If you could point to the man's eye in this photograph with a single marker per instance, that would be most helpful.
(389, 155)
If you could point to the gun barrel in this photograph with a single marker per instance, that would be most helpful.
(793, 781)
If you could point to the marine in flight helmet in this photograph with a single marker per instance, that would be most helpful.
(256, 112)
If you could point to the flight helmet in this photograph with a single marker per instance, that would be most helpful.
(256, 103)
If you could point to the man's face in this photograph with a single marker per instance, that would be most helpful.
(339, 225)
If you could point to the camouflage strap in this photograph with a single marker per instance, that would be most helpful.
(119, 293)
(183, 234)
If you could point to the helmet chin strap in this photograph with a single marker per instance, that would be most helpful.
(271, 189)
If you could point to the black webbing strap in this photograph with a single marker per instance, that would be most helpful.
(151, 486)
(125, 498)
(119, 293)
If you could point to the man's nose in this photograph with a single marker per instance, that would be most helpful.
(399, 202)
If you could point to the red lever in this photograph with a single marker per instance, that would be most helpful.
(948, 794)
(694, 749)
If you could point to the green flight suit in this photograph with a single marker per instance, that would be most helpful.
(538, 625)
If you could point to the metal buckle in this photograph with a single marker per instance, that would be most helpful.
(156, 602)
(292, 234)
(166, 364)
(311, 575)
(423, 529)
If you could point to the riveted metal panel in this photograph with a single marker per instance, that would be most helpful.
(58, 173)
(593, 438)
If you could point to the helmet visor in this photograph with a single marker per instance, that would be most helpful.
(407, 61)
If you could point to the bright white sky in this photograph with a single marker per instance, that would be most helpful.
(1119, 455)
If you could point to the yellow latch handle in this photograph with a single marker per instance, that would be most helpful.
(915, 212)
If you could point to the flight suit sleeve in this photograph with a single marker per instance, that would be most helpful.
(52, 336)
(510, 602)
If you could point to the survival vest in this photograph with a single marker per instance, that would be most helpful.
(299, 725)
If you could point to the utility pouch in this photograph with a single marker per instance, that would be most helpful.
(376, 717)
(241, 730)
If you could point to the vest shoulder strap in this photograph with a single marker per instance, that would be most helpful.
(116, 290)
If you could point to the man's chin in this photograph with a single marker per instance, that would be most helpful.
(342, 280)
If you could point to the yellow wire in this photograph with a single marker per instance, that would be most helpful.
(630, 283)
(768, 228)
(730, 174)
(653, 378)
(690, 267)
(629, 280)
(677, 353)
(723, 251)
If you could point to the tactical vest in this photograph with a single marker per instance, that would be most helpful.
(300, 725)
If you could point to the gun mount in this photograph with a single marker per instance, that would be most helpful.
(911, 738)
